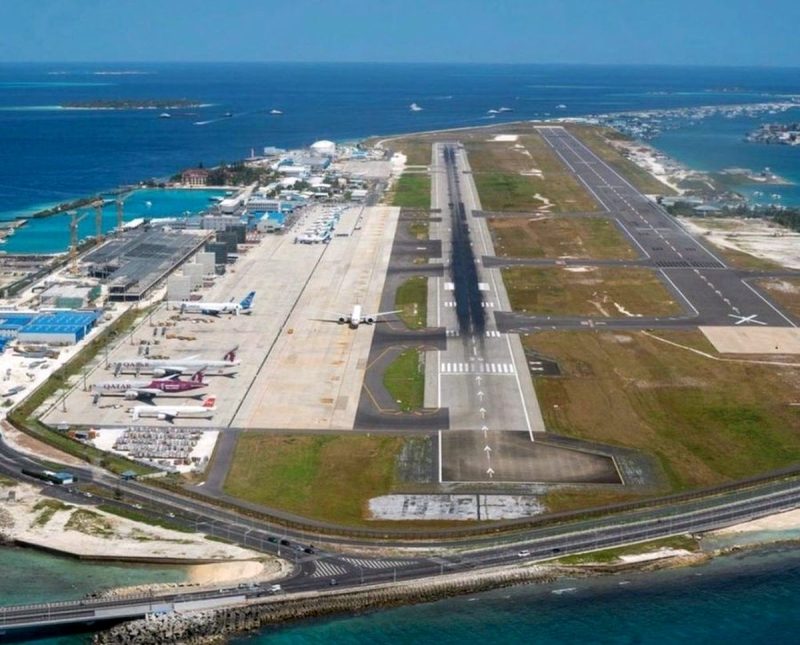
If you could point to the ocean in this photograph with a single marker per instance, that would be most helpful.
(50, 154)
(746, 598)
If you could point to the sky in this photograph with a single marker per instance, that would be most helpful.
(660, 32)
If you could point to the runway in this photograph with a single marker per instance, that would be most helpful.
(481, 376)
(709, 291)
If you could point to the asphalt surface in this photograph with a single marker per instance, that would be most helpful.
(481, 376)
(709, 291)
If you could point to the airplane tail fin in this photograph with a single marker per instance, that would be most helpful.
(197, 377)
(231, 355)
(210, 402)
(248, 300)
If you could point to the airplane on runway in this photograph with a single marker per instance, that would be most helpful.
(167, 366)
(217, 308)
(172, 412)
(146, 390)
(356, 317)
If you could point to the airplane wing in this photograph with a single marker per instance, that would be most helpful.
(383, 313)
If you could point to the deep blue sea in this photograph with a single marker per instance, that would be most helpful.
(49, 154)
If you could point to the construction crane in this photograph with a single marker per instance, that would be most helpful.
(120, 202)
(98, 220)
(73, 239)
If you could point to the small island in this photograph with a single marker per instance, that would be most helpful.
(132, 104)
(787, 134)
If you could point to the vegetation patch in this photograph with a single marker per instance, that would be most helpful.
(419, 229)
(525, 175)
(582, 291)
(413, 191)
(411, 299)
(785, 292)
(613, 556)
(706, 421)
(90, 523)
(46, 509)
(418, 153)
(598, 139)
(549, 236)
(404, 379)
(326, 477)
(144, 518)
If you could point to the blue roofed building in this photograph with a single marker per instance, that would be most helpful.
(53, 328)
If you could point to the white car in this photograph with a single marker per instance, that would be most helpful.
(524, 554)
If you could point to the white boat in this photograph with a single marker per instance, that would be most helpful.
(561, 106)
(165, 115)
(492, 111)
(505, 109)
(415, 108)
(274, 111)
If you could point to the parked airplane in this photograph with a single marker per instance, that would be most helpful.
(217, 308)
(356, 317)
(133, 390)
(172, 412)
(167, 366)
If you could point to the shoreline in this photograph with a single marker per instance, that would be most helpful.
(218, 626)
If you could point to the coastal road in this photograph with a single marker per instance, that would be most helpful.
(315, 572)
(710, 292)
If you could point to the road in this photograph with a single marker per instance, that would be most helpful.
(315, 571)
(709, 291)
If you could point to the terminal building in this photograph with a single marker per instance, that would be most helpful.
(134, 262)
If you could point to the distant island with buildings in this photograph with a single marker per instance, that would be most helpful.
(787, 134)
(132, 104)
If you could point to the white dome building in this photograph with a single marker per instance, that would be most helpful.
(324, 148)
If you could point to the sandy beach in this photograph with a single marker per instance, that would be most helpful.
(85, 531)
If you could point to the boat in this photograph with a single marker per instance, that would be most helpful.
(415, 108)
(228, 114)
(165, 115)
(505, 109)
(561, 106)
(274, 111)
(492, 111)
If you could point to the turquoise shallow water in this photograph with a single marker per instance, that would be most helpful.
(51, 234)
(29, 576)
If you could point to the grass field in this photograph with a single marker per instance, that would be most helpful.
(497, 169)
(412, 191)
(705, 421)
(785, 292)
(411, 299)
(419, 229)
(418, 153)
(404, 379)
(327, 477)
(597, 139)
(554, 237)
(612, 556)
(599, 291)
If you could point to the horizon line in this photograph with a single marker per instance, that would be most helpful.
(389, 62)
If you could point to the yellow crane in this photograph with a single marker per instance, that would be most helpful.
(120, 202)
(98, 220)
(73, 239)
